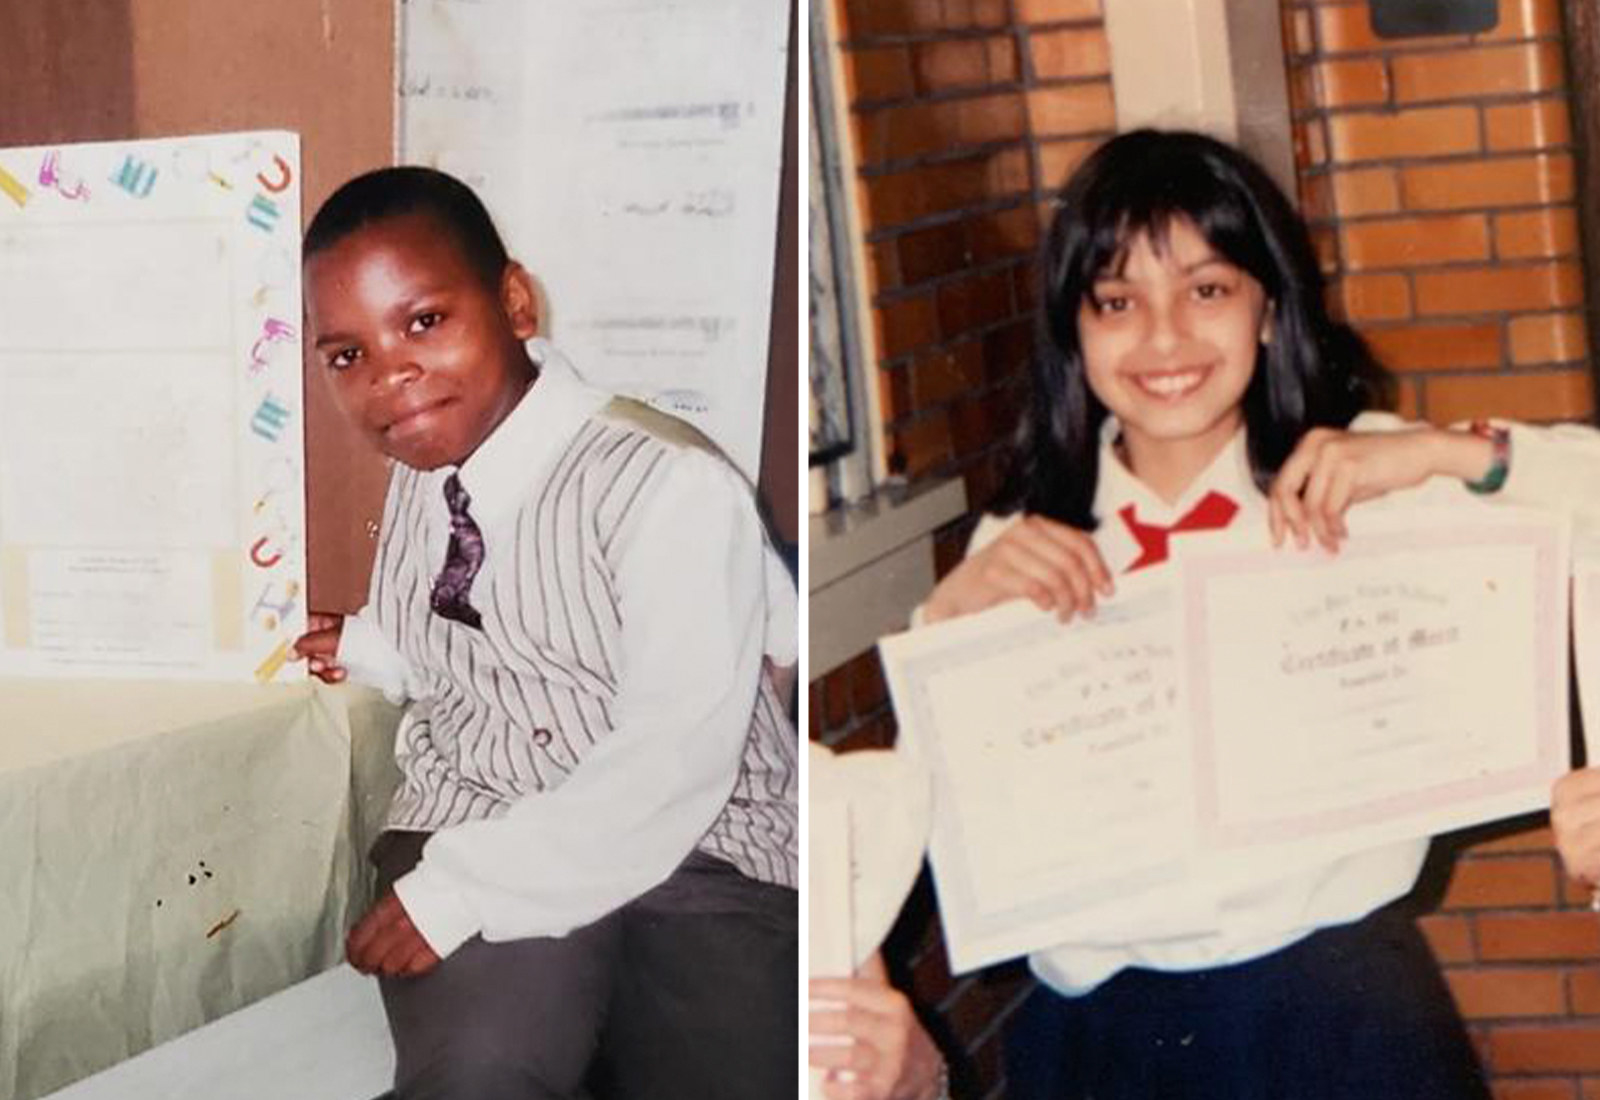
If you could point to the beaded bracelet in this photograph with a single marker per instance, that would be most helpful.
(1500, 463)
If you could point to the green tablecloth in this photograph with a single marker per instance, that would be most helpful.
(172, 852)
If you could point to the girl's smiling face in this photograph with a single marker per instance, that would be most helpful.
(1169, 343)
(423, 354)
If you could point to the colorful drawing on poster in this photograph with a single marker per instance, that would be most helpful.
(136, 177)
(13, 188)
(263, 555)
(276, 603)
(273, 333)
(192, 464)
(274, 662)
(282, 176)
(263, 214)
(270, 418)
(50, 176)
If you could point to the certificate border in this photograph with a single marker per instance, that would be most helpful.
(1547, 540)
(976, 937)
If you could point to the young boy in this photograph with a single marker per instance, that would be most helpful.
(587, 882)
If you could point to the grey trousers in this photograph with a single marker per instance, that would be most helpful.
(688, 991)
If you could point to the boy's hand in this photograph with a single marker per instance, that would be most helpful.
(1058, 567)
(386, 942)
(319, 646)
(1330, 470)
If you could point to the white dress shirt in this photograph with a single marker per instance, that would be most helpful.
(1555, 468)
(612, 715)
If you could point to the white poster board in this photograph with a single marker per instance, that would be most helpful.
(152, 516)
(630, 152)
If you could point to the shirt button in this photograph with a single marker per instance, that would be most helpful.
(541, 737)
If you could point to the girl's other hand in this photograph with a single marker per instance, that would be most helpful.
(319, 646)
(1575, 817)
(1330, 470)
(868, 1040)
(1058, 567)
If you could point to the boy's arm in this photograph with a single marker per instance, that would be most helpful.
(692, 591)
(782, 643)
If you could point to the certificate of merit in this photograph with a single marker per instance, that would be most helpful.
(1240, 711)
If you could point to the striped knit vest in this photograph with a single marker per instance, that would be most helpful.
(511, 710)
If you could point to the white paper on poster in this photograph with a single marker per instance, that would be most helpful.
(630, 151)
(151, 490)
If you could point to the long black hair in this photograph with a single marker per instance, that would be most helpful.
(1315, 372)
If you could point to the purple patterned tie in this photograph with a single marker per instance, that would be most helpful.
(461, 560)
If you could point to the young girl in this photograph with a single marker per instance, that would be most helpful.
(1188, 377)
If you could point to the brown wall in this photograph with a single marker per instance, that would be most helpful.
(79, 70)
(780, 438)
(323, 68)
(91, 70)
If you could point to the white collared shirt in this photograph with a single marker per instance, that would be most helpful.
(612, 714)
(1556, 468)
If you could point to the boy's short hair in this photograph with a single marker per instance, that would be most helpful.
(394, 192)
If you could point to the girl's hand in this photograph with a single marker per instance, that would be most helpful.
(1330, 470)
(319, 646)
(869, 1041)
(1575, 816)
(1058, 567)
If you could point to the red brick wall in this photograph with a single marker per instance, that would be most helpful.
(966, 114)
(959, 114)
(1438, 178)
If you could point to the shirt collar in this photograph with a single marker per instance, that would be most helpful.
(1228, 473)
(521, 449)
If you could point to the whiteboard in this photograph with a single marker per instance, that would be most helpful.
(630, 151)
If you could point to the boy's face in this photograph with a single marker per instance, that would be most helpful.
(423, 356)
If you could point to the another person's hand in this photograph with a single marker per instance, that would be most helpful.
(1330, 470)
(868, 1040)
(1058, 567)
(386, 942)
(319, 647)
(1575, 817)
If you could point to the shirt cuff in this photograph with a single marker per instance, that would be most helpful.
(436, 909)
(782, 640)
(369, 659)
(1538, 465)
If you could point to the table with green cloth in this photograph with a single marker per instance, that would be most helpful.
(170, 852)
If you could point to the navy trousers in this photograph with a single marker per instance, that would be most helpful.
(1358, 1012)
